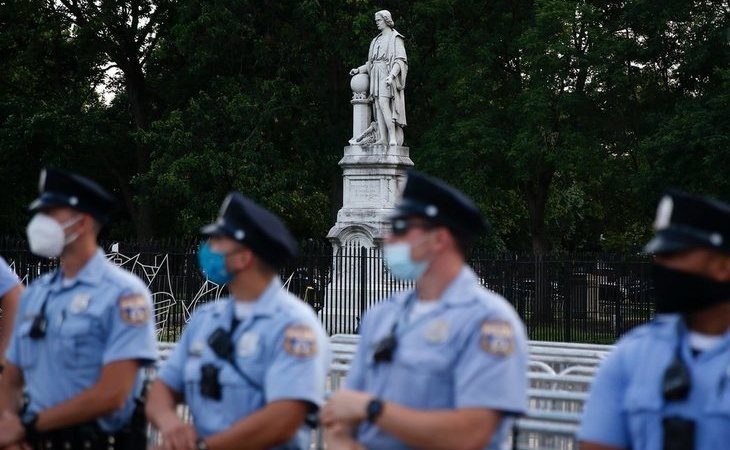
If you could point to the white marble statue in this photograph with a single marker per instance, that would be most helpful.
(387, 67)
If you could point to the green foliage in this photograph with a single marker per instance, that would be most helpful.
(563, 119)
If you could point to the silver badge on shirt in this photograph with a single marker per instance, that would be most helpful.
(196, 349)
(437, 331)
(79, 303)
(247, 344)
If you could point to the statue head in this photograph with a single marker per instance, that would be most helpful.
(386, 17)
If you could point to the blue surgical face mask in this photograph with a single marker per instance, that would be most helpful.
(398, 259)
(213, 265)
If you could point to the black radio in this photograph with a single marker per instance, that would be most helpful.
(210, 386)
(38, 327)
(385, 348)
(220, 342)
(679, 433)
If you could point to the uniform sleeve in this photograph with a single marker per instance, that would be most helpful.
(131, 328)
(8, 278)
(491, 371)
(12, 353)
(355, 379)
(299, 366)
(603, 419)
(172, 372)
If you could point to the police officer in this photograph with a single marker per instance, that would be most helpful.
(440, 366)
(252, 367)
(10, 290)
(665, 386)
(82, 334)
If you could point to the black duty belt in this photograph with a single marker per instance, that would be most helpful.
(83, 437)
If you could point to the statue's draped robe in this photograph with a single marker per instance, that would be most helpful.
(381, 58)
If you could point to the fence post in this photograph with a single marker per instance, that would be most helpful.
(363, 281)
(619, 316)
(568, 303)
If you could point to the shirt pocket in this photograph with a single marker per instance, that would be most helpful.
(422, 378)
(240, 396)
(27, 346)
(642, 407)
(82, 346)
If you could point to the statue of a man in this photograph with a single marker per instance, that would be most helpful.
(387, 67)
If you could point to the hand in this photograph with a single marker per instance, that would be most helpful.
(354, 71)
(388, 80)
(177, 435)
(12, 430)
(346, 406)
(339, 437)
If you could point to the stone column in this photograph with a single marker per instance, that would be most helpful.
(361, 110)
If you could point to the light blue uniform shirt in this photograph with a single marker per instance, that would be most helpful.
(280, 346)
(104, 315)
(8, 279)
(626, 405)
(468, 352)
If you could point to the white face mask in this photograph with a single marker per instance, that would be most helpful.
(47, 237)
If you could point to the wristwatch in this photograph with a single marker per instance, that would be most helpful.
(374, 409)
(29, 426)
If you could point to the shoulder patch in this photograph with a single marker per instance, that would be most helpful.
(497, 337)
(300, 341)
(133, 309)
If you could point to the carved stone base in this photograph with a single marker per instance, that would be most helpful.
(373, 177)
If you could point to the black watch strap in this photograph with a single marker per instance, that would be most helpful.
(374, 409)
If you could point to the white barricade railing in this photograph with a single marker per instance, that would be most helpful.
(559, 376)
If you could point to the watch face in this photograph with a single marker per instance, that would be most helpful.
(375, 407)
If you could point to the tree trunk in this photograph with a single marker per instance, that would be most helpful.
(536, 196)
(136, 95)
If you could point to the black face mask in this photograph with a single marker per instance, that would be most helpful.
(686, 293)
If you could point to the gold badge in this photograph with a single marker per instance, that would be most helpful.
(437, 331)
(497, 337)
(134, 309)
(300, 341)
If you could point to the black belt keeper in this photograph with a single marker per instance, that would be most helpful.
(82, 437)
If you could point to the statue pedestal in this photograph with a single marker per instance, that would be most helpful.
(373, 177)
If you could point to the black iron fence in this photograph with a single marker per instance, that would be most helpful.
(563, 297)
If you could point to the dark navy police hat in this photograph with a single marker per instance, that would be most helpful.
(58, 188)
(241, 219)
(685, 221)
(441, 204)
